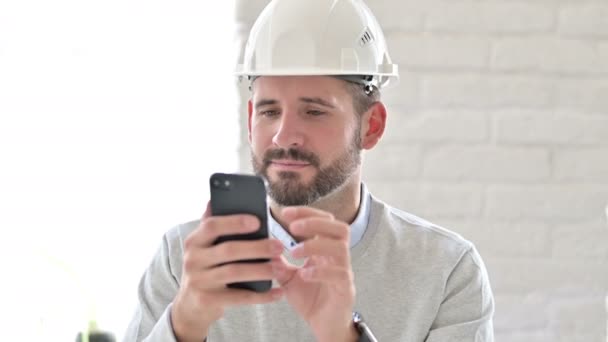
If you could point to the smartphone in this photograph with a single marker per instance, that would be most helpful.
(241, 194)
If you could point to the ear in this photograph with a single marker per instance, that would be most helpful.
(249, 114)
(373, 124)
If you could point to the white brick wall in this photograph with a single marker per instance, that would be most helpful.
(549, 128)
(499, 130)
(448, 126)
(582, 164)
(586, 20)
(415, 50)
(549, 54)
(475, 17)
(486, 163)
(480, 90)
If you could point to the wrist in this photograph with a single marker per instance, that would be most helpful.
(185, 332)
(348, 333)
(353, 334)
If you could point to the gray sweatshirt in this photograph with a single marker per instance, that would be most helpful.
(415, 281)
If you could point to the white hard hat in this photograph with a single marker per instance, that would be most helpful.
(318, 37)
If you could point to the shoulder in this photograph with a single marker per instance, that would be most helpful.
(417, 235)
(175, 237)
(173, 243)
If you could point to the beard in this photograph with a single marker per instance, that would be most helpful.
(289, 189)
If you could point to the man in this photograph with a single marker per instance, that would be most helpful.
(315, 69)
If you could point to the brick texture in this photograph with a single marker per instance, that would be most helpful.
(549, 128)
(486, 163)
(498, 17)
(586, 20)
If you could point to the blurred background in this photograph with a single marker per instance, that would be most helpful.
(113, 114)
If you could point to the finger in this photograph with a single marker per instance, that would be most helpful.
(329, 274)
(283, 271)
(238, 297)
(335, 249)
(197, 259)
(207, 212)
(310, 227)
(291, 214)
(218, 277)
(280, 260)
(212, 227)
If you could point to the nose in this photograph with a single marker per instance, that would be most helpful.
(289, 131)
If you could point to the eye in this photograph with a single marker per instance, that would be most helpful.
(315, 112)
(269, 113)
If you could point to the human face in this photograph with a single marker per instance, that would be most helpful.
(305, 137)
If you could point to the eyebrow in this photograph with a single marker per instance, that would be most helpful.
(265, 102)
(315, 100)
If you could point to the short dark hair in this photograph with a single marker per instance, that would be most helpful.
(362, 101)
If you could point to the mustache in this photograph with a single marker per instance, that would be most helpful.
(291, 153)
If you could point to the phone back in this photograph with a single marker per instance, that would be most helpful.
(241, 194)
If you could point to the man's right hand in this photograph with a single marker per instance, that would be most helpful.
(203, 294)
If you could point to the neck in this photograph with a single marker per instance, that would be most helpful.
(343, 203)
